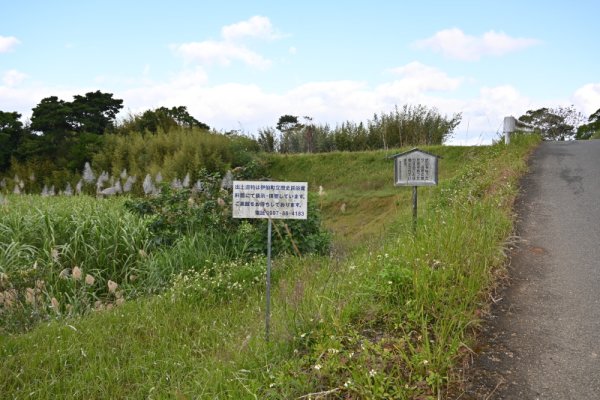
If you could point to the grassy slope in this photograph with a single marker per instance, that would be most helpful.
(363, 181)
(389, 321)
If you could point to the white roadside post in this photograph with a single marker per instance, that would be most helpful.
(270, 200)
(415, 168)
(510, 125)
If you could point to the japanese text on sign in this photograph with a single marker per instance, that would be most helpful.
(416, 169)
(276, 200)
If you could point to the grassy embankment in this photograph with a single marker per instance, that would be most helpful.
(390, 318)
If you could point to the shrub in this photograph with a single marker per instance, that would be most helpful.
(175, 213)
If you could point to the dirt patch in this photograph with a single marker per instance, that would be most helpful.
(537, 250)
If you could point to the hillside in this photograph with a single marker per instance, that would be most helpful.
(359, 199)
(390, 316)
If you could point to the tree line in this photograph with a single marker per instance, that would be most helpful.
(406, 126)
(53, 147)
(63, 135)
(563, 123)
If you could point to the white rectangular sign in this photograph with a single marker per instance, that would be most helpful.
(275, 200)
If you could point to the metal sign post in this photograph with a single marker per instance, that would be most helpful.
(415, 168)
(414, 198)
(268, 305)
(270, 200)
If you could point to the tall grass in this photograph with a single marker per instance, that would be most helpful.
(174, 153)
(51, 245)
(409, 125)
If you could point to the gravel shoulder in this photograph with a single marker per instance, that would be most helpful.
(542, 339)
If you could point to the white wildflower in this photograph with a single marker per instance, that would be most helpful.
(76, 273)
(129, 184)
(88, 174)
(198, 186)
(68, 190)
(89, 280)
(176, 184)
(227, 182)
(148, 185)
(112, 286)
(30, 296)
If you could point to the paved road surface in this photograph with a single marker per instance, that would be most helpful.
(545, 334)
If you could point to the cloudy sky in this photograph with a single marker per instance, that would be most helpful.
(242, 64)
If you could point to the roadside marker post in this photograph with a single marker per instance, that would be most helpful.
(270, 200)
(415, 168)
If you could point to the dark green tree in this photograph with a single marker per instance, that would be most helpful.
(558, 123)
(95, 112)
(11, 136)
(51, 118)
(591, 129)
(51, 114)
(183, 118)
(289, 126)
(161, 118)
(63, 128)
(287, 123)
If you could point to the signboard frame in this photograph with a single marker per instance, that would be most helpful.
(272, 200)
(415, 168)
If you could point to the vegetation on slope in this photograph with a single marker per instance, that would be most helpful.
(390, 319)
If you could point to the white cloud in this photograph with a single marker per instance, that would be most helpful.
(8, 43)
(587, 98)
(257, 27)
(249, 107)
(224, 52)
(292, 50)
(454, 43)
(416, 77)
(13, 77)
(24, 98)
(220, 52)
(483, 115)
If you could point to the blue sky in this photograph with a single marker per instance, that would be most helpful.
(242, 64)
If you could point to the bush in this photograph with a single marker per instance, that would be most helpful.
(176, 213)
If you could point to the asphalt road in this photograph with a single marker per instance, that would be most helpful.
(543, 338)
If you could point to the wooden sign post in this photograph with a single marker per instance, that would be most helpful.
(415, 168)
